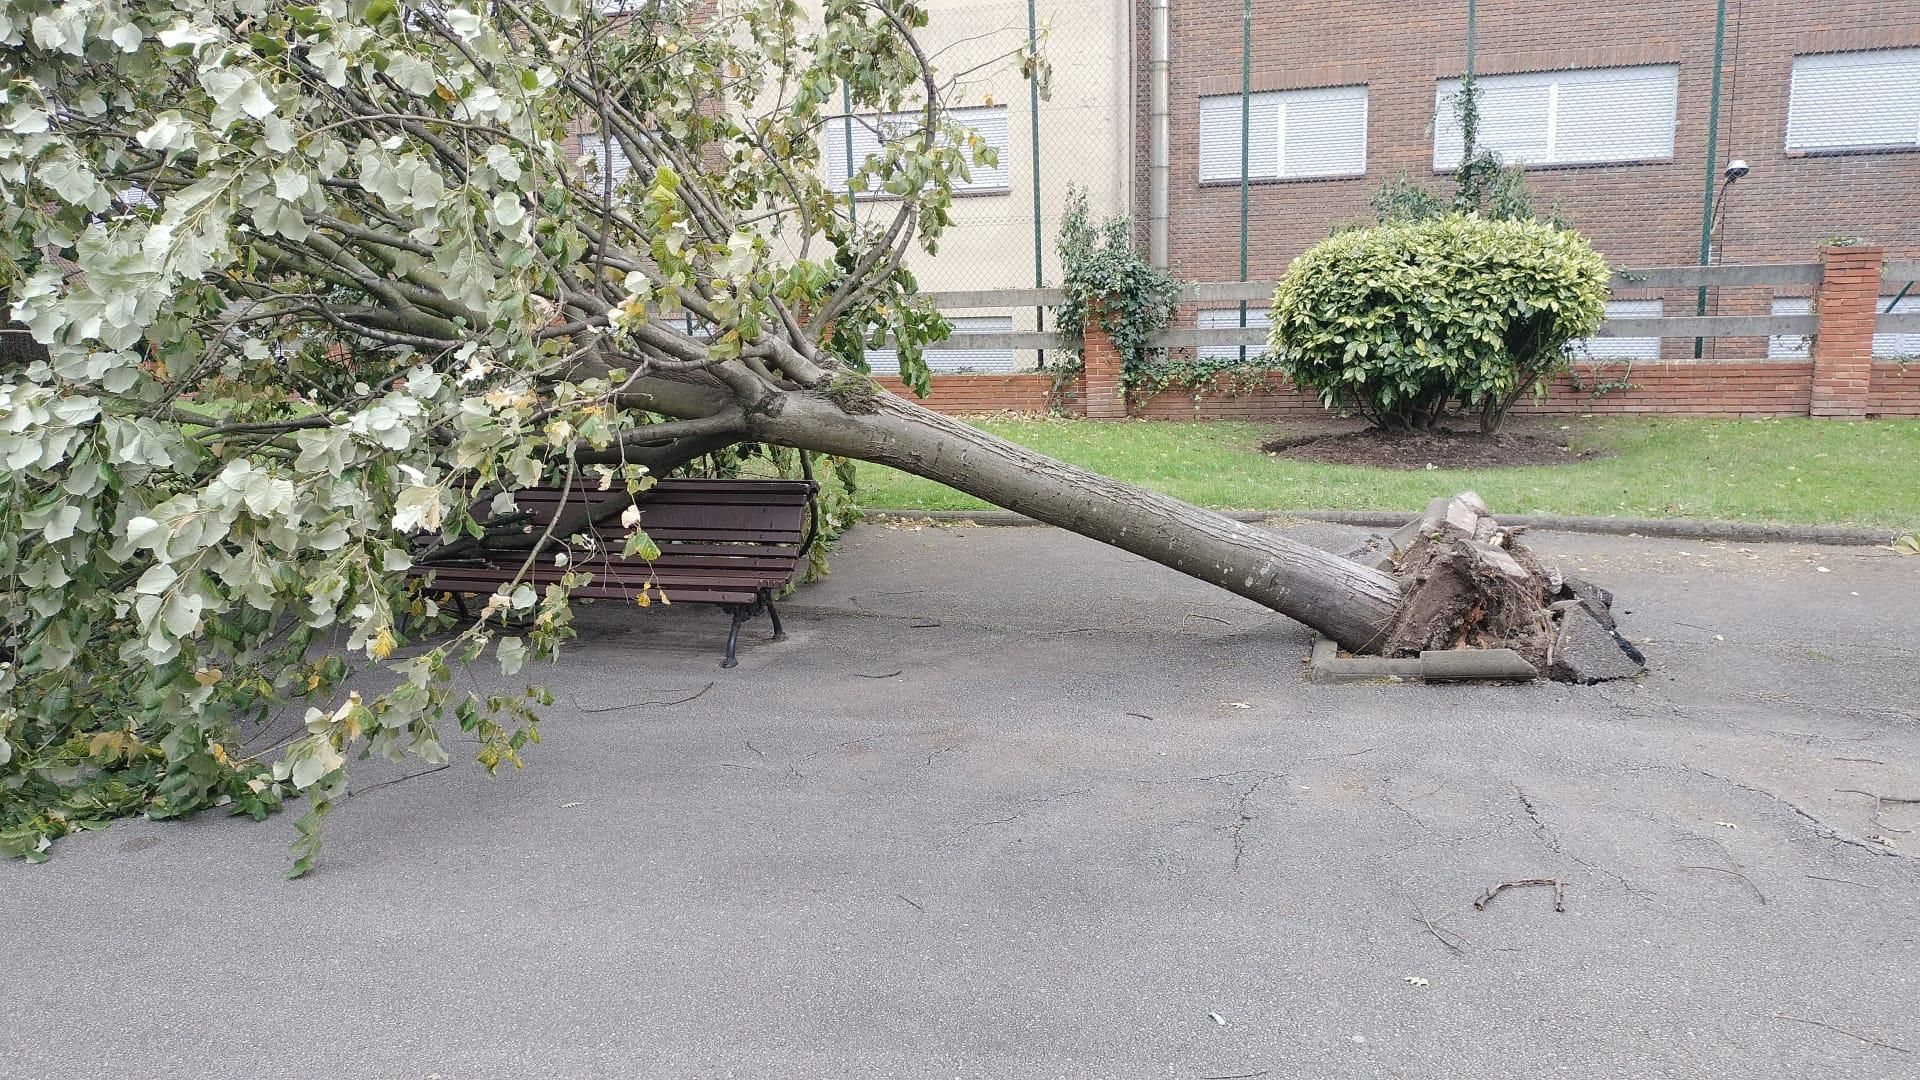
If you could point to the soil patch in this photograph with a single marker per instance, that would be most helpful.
(1440, 448)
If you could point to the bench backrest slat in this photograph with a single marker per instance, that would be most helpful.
(720, 540)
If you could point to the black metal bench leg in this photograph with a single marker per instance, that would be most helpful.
(733, 633)
(766, 600)
(460, 605)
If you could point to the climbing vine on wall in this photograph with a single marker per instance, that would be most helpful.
(1106, 278)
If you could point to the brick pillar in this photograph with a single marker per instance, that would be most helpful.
(1846, 304)
(1100, 386)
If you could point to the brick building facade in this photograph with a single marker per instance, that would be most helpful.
(1647, 213)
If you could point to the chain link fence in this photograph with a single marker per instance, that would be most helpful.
(1288, 122)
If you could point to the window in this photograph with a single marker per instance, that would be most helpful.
(1565, 117)
(1258, 318)
(990, 121)
(1855, 101)
(1293, 133)
(1623, 348)
(1886, 346)
(887, 361)
(610, 159)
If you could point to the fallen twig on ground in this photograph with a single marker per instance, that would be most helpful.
(1849, 1034)
(1724, 870)
(1559, 892)
(1440, 933)
(1880, 802)
(1841, 880)
(638, 704)
(398, 780)
(888, 675)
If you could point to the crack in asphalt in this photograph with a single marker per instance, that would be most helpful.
(1243, 809)
(1820, 828)
(1036, 802)
(1550, 836)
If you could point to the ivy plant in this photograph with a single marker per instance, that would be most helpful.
(1105, 278)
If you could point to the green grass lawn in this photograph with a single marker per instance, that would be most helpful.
(1796, 471)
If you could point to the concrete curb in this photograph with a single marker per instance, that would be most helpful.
(1674, 528)
(1443, 665)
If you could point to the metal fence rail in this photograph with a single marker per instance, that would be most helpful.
(1626, 278)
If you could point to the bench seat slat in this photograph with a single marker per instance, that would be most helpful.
(629, 576)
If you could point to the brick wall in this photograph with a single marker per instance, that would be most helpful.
(1843, 353)
(1896, 389)
(1760, 388)
(1637, 215)
(1029, 392)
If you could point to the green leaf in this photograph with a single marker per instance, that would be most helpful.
(512, 653)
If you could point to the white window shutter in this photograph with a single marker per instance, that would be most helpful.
(1220, 138)
(994, 360)
(1617, 114)
(1856, 100)
(1886, 346)
(1293, 133)
(1892, 346)
(1258, 318)
(990, 122)
(1265, 120)
(608, 156)
(1790, 346)
(1624, 348)
(868, 134)
(856, 137)
(1514, 112)
(1590, 116)
(887, 361)
(1325, 132)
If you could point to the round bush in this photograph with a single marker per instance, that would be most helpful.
(1398, 320)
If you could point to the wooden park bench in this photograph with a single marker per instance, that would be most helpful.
(727, 542)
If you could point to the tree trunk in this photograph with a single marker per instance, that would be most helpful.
(1354, 605)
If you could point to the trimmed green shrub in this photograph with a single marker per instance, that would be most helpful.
(1399, 320)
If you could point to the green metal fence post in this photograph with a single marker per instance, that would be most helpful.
(846, 106)
(1713, 155)
(1473, 32)
(1246, 140)
(1033, 125)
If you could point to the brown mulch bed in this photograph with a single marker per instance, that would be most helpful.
(1440, 448)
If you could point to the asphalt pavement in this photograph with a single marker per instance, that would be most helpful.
(1010, 804)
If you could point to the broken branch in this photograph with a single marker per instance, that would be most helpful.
(1559, 892)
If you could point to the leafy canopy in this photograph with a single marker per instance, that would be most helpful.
(1402, 319)
(314, 277)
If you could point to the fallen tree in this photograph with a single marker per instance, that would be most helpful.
(314, 278)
